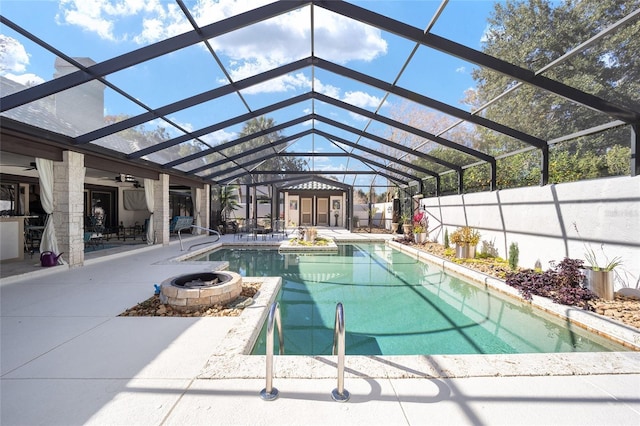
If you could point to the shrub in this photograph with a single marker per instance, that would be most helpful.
(446, 238)
(488, 250)
(465, 235)
(561, 283)
(514, 255)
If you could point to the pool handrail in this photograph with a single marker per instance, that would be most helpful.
(270, 393)
(198, 244)
(339, 394)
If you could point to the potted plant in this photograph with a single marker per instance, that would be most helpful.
(311, 235)
(419, 234)
(599, 275)
(394, 223)
(356, 222)
(406, 223)
(466, 239)
(420, 227)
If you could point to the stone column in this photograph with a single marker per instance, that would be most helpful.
(205, 206)
(161, 211)
(68, 201)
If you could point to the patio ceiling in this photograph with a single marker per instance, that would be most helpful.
(179, 131)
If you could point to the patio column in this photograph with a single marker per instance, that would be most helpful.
(68, 201)
(201, 199)
(205, 206)
(161, 210)
(274, 205)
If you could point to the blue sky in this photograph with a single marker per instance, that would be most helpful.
(103, 29)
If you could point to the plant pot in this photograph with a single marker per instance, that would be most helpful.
(420, 238)
(600, 282)
(394, 227)
(407, 229)
(465, 251)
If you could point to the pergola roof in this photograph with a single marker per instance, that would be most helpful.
(312, 121)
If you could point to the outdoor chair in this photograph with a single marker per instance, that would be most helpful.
(180, 222)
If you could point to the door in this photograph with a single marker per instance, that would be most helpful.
(101, 207)
(323, 211)
(306, 211)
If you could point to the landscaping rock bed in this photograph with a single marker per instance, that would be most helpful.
(622, 309)
(153, 308)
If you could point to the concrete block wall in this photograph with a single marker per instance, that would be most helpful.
(68, 202)
(541, 221)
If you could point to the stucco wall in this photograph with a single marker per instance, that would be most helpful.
(541, 221)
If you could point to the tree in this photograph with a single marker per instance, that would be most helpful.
(140, 137)
(273, 163)
(533, 33)
(228, 198)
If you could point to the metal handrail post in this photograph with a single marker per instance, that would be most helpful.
(339, 394)
(196, 227)
(270, 393)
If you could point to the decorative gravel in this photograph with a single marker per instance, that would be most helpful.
(153, 308)
(623, 309)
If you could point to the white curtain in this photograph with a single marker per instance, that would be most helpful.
(196, 210)
(149, 195)
(49, 241)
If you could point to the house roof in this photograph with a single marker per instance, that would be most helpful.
(313, 186)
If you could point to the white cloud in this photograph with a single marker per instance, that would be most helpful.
(461, 70)
(13, 56)
(327, 89)
(28, 79)
(218, 137)
(331, 168)
(247, 51)
(276, 41)
(362, 100)
(343, 39)
(285, 83)
(186, 126)
(286, 38)
(14, 62)
(322, 160)
(103, 17)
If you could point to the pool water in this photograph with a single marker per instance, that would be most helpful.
(396, 305)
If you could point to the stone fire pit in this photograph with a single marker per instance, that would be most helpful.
(200, 290)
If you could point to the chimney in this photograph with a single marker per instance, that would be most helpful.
(81, 106)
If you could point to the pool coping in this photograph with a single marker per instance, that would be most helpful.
(590, 321)
(231, 360)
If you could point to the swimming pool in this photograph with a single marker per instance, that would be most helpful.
(396, 305)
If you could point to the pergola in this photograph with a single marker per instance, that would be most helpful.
(306, 118)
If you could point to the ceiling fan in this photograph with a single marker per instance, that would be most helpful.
(31, 166)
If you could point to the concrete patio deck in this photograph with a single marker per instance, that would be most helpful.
(66, 358)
